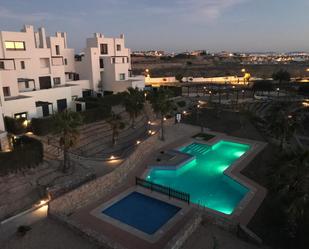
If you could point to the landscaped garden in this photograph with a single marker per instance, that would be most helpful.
(283, 168)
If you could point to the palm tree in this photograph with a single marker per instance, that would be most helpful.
(134, 103)
(66, 123)
(161, 105)
(115, 121)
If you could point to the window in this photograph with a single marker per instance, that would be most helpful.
(118, 47)
(101, 63)
(122, 76)
(57, 50)
(104, 48)
(123, 60)
(1, 64)
(22, 115)
(128, 60)
(65, 61)
(22, 65)
(57, 81)
(114, 60)
(26, 84)
(15, 45)
(6, 91)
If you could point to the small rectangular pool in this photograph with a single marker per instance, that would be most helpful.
(204, 178)
(142, 212)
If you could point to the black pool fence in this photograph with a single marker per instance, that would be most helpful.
(170, 192)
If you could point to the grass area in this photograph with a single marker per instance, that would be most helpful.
(203, 136)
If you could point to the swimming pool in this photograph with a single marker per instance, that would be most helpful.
(142, 212)
(203, 178)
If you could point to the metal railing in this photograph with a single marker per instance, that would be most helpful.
(170, 192)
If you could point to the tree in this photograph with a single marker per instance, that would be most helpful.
(262, 85)
(291, 182)
(283, 122)
(179, 77)
(134, 103)
(116, 123)
(66, 123)
(281, 75)
(161, 105)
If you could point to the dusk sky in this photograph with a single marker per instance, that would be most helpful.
(172, 25)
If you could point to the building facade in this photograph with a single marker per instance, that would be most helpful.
(106, 63)
(40, 75)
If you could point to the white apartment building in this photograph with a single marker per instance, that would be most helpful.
(39, 74)
(106, 63)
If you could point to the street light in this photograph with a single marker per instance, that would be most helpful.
(198, 121)
(278, 91)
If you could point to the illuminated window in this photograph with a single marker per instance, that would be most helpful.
(22, 115)
(15, 45)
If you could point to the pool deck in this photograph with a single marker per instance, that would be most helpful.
(130, 237)
(127, 239)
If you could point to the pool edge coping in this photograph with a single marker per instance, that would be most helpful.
(240, 214)
(151, 238)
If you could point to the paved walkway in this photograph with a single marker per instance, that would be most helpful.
(210, 237)
(48, 234)
(9, 228)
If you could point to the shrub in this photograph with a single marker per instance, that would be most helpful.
(27, 153)
(304, 90)
(181, 103)
(42, 126)
(179, 77)
(15, 126)
(175, 90)
(96, 114)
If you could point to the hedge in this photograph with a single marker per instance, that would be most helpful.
(109, 100)
(175, 90)
(27, 153)
(96, 114)
(15, 126)
(181, 103)
(43, 126)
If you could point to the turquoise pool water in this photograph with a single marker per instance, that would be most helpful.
(203, 177)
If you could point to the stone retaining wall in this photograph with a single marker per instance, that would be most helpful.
(99, 187)
(179, 239)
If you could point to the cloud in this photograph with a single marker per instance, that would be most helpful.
(191, 9)
(209, 9)
(35, 17)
